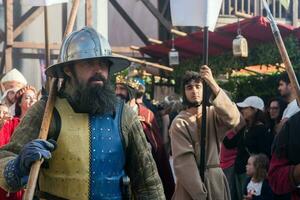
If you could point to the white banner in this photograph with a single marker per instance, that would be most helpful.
(43, 2)
(285, 4)
(195, 13)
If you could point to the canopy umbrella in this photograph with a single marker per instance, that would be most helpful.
(256, 30)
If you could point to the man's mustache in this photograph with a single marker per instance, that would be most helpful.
(98, 77)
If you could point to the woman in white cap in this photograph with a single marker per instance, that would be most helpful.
(10, 83)
(251, 139)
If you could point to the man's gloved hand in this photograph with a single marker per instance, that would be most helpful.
(33, 151)
(17, 170)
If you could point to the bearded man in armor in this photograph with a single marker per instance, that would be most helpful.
(94, 141)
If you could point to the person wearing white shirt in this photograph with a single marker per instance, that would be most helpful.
(291, 109)
(285, 90)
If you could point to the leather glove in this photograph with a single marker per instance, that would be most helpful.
(17, 170)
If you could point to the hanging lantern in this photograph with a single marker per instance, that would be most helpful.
(240, 47)
(239, 44)
(173, 55)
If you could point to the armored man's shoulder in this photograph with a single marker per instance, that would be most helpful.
(128, 116)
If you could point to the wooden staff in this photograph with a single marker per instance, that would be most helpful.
(283, 53)
(47, 49)
(35, 168)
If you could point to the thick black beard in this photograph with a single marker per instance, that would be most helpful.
(94, 99)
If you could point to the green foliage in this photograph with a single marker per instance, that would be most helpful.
(264, 86)
(261, 54)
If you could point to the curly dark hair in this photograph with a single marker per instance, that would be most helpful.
(187, 78)
(190, 76)
(261, 165)
(285, 77)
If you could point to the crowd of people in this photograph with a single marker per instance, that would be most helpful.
(258, 134)
(108, 142)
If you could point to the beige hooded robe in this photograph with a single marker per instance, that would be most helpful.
(185, 141)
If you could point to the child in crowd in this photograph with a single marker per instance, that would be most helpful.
(257, 186)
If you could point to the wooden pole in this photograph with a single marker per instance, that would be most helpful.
(155, 41)
(2, 59)
(145, 62)
(28, 18)
(47, 48)
(9, 35)
(88, 13)
(179, 33)
(72, 17)
(243, 15)
(284, 55)
(35, 168)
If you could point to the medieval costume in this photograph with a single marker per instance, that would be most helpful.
(185, 140)
(5, 135)
(95, 150)
(285, 162)
(159, 154)
(21, 107)
(152, 133)
(7, 130)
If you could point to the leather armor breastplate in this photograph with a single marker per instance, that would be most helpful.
(89, 160)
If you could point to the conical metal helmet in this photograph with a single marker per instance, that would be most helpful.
(82, 45)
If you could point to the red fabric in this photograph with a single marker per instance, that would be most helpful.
(227, 156)
(7, 130)
(5, 135)
(151, 130)
(150, 127)
(279, 173)
(256, 30)
(11, 196)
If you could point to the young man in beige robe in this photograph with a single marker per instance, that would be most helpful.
(222, 115)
